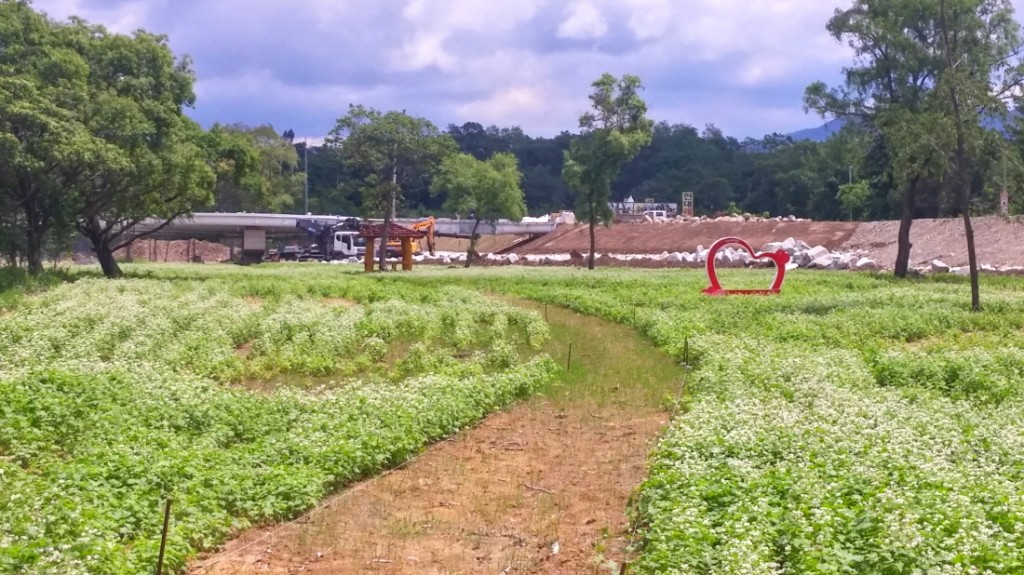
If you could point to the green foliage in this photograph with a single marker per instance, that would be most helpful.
(392, 149)
(612, 134)
(255, 169)
(485, 190)
(853, 196)
(92, 125)
(853, 424)
(42, 81)
(243, 396)
(148, 160)
(981, 44)
(488, 189)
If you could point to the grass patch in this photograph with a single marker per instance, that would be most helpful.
(16, 283)
(611, 364)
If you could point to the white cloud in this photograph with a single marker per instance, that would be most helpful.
(423, 50)
(433, 24)
(124, 18)
(651, 19)
(737, 63)
(583, 21)
(231, 92)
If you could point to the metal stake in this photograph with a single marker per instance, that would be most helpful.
(163, 538)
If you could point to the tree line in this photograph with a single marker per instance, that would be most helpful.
(94, 138)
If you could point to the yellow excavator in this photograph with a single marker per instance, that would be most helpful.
(426, 226)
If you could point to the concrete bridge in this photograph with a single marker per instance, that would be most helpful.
(254, 229)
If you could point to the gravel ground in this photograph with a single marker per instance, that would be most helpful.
(998, 241)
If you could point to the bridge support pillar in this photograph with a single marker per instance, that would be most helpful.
(254, 245)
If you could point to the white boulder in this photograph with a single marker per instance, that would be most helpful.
(824, 262)
(865, 264)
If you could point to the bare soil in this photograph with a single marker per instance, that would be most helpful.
(998, 241)
(542, 488)
(486, 243)
(655, 238)
(176, 251)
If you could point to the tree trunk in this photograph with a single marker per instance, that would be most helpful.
(35, 229)
(34, 249)
(93, 229)
(903, 238)
(382, 255)
(593, 239)
(108, 263)
(962, 164)
(471, 253)
(972, 256)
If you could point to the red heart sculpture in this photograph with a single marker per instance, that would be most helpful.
(780, 258)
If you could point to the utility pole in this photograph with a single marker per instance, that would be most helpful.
(394, 187)
(305, 171)
(851, 174)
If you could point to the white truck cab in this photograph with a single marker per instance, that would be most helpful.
(348, 245)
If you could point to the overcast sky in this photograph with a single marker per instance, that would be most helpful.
(739, 64)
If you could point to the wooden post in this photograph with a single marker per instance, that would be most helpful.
(163, 538)
(368, 260)
(406, 254)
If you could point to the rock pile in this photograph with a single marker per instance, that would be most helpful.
(738, 218)
(940, 267)
(801, 254)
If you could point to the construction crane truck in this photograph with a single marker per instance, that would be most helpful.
(332, 241)
(341, 241)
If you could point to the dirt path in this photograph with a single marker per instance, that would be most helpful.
(541, 488)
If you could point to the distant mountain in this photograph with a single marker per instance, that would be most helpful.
(819, 134)
(826, 130)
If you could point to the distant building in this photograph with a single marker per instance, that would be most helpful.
(631, 207)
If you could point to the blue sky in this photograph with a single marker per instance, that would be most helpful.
(739, 64)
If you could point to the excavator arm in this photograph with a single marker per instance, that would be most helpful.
(426, 226)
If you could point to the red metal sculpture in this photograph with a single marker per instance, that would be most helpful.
(779, 257)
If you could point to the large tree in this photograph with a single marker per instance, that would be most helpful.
(613, 133)
(981, 45)
(885, 89)
(393, 150)
(147, 160)
(42, 80)
(488, 190)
